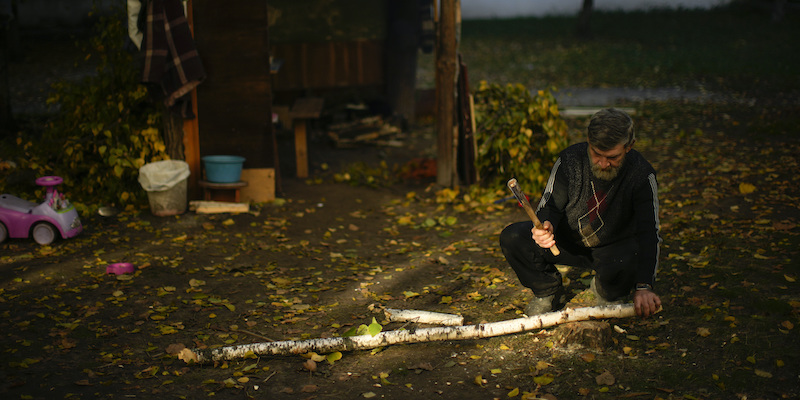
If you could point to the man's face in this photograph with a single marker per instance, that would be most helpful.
(606, 164)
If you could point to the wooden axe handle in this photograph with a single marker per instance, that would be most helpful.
(526, 205)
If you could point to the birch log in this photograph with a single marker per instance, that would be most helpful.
(328, 345)
(423, 317)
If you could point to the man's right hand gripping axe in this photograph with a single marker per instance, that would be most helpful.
(514, 186)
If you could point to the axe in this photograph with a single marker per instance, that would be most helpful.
(514, 186)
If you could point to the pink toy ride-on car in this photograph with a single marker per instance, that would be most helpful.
(55, 216)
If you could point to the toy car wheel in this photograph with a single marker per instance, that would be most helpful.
(3, 233)
(44, 233)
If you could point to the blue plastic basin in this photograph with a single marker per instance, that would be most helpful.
(223, 169)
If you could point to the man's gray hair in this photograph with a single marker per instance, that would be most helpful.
(609, 128)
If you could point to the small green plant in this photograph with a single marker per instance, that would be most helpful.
(519, 135)
(105, 129)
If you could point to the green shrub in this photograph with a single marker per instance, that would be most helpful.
(518, 135)
(106, 128)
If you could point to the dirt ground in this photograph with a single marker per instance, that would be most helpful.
(328, 256)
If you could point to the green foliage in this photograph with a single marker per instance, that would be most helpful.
(519, 135)
(105, 129)
(372, 329)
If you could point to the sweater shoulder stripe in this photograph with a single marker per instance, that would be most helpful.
(548, 190)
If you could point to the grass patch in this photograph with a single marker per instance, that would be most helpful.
(725, 48)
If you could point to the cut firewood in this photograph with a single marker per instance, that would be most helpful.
(328, 345)
(423, 317)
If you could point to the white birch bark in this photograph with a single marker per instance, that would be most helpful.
(423, 317)
(328, 345)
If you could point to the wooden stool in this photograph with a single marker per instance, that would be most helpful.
(208, 187)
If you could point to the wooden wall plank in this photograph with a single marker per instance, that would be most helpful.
(234, 103)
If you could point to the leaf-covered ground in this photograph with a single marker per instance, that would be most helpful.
(325, 260)
(311, 268)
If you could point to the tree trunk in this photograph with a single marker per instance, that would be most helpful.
(173, 134)
(584, 19)
(329, 345)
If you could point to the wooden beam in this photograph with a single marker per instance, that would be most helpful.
(191, 132)
(445, 94)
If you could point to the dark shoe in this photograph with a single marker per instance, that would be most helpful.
(599, 299)
(541, 305)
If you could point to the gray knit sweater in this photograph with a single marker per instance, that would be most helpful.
(593, 213)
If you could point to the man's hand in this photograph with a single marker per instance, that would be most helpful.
(544, 237)
(646, 303)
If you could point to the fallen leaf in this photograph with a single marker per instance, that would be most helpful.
(368, 395)
(545, 379)
(746, 188)
(187, 356)
(309, 388)
(514, 392)
(605, 379)
(310, 365)
(704, 332)
(423, 365)
(335, 356)
(588, 357)
(175, 348)
(763, 374)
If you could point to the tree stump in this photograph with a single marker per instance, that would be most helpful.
(592, 335)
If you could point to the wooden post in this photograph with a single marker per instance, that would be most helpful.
(191, 132)
(445, 94)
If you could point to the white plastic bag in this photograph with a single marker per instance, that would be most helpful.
(163, 175)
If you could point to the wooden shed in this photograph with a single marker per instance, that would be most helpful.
(265, 55)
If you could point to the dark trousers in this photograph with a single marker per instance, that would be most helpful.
(614, 265)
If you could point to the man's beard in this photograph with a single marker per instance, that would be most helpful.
(608, 173)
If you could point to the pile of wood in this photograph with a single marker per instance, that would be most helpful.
(371, 131)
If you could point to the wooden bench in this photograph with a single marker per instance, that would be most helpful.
(304, 109)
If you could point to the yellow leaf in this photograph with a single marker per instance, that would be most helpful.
(763, 374)
(228, 222)
(479, 380)
(496, 370)
(789, 278)
(545, 379)
(746, 188)
(541, 365)
(334, 357)
(751, 359)
(513, 393)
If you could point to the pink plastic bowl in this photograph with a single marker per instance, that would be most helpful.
(120, 268)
